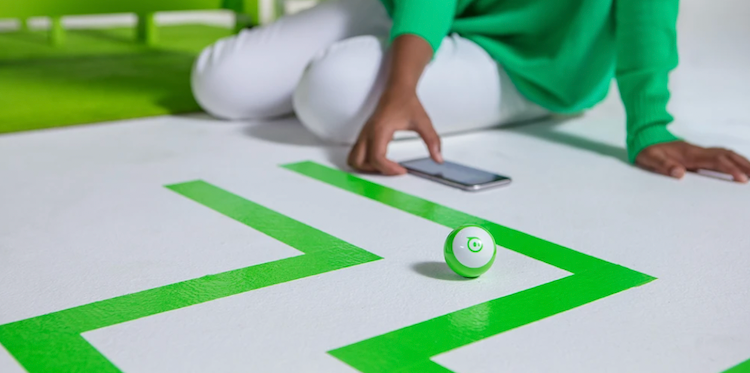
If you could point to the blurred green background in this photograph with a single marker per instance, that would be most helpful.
(51, 77)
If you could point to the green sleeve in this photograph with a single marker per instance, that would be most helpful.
(646, 53)
(429, 19)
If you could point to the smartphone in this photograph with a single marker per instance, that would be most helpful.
(455, 175)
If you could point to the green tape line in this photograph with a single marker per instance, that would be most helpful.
(743, 367)
(53, 342)
(411, 348)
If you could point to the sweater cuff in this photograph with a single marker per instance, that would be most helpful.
(651, 135)
(645, 96)
(428, 19)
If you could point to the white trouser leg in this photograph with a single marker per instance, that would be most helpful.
(253, 74)
(462, 89)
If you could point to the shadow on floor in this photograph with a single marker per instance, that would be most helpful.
(284, 130)
(289, 131)
(546, 129)
(437, 270)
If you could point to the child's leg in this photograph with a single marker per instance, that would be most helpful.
(253, 74)
(462, 89)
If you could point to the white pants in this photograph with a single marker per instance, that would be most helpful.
(326, 64)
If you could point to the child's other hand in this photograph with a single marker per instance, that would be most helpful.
(675, 158)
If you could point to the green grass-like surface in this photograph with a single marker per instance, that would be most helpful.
(97, 75)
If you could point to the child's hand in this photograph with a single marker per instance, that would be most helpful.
(398, 110)
(674, 158)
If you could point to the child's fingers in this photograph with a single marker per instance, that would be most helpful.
(358, 157)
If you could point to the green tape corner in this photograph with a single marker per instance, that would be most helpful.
(411, 348)
(53, 342)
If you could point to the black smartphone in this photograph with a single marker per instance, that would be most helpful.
(455, 175)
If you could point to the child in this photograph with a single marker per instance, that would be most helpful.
(357, 71)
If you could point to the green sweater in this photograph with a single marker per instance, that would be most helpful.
(562, 54)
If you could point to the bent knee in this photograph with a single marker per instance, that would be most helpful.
(340, 88)
(235, 79)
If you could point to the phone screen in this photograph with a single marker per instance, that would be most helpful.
(454, 172)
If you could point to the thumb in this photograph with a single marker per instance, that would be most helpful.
(427, 132)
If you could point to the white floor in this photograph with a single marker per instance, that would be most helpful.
(84, 216)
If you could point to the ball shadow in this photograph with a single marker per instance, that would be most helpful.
(437, 270)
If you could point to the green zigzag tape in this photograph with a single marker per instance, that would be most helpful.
(53, 342)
